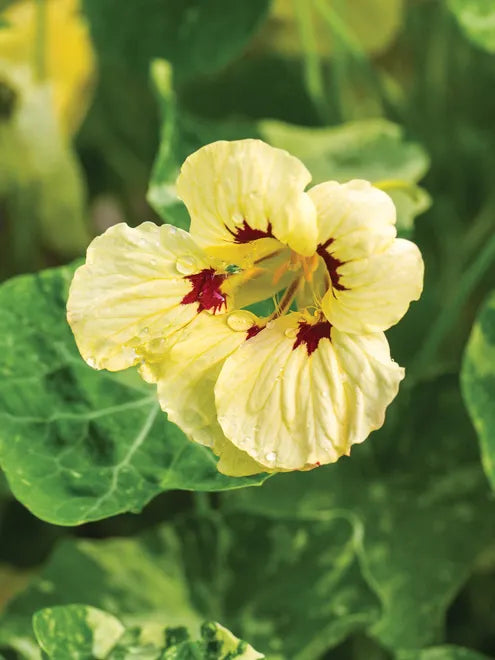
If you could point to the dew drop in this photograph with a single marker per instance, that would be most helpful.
(91, 362)
(271, 457)
(145, 331)
(187, 265)
(241, 321)
(291, 332)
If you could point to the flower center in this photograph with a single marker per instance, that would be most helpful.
(206, 290)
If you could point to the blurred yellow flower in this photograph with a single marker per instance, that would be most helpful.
(53, 39)
(293, 390)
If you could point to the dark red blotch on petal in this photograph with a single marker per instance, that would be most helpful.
(332, 263)
(206, 290)
(311, 333)
(253, 331)
(246, 234)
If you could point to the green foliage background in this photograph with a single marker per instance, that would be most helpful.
(112, 525)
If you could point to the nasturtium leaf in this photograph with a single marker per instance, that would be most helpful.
(477, 20)
(82, 632)
(76, 631)
(372, 149)
(418, 492)
(447, 652)
(478, 383)
(139, 581)
(77, 444)
(181, 31)
(293, 587)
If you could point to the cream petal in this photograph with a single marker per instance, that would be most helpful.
(236, 463)
(357, 218)
(240, 191)
(378, 289)
(185, 376)
(188, 371)
(292, 406)
(129, 292)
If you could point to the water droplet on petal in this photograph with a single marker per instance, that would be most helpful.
(271, 457)
(91, 362)
(145, 331)
(241, 321)
(187, 265)
(291, 332)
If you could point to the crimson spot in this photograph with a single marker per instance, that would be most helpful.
(206, 290)
(332, 263)
(253, 331)
(246, 234)
(311, 333)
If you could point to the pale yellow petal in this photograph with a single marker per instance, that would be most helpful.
(356, 218)
(236, 463)
(185, 375)
(378, 289)
(290, 407)
(242, 190)
(189, 369)
(129, 292)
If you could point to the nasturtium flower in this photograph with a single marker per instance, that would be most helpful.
(290, 391)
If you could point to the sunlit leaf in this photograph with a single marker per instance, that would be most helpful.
(373, 149)
(477, 19)
(76, 444)
(478, 383)
(141, 582)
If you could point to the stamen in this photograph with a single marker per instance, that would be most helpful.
(287, 299)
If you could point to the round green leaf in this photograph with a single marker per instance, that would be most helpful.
(76, 444)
